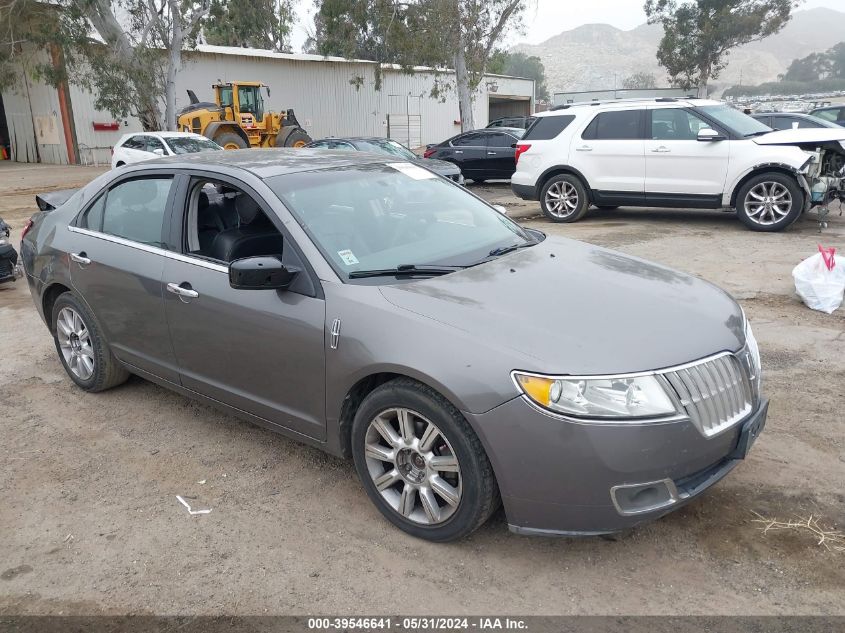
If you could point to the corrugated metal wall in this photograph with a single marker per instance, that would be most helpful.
(330, 97)
(32, 106)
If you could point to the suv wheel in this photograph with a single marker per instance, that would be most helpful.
(769, 202)
(421, 463)
(564, 199)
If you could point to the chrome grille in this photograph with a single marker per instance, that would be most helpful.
(715, 393)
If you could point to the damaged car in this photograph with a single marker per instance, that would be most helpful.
(681, 153)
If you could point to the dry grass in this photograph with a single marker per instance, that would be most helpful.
(830, 539)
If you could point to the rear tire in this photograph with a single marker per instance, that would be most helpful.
(230, 140)
(770, 201)
(410, 478)
(83, 350)
(564, 198)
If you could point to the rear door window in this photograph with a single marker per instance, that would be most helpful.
(547, 127)
(473, 139)
(153, 144)
(618, 125)
(500, 139)
(135, 210)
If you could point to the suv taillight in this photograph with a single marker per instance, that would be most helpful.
(26, 228)
(521, 148)
(427, 153)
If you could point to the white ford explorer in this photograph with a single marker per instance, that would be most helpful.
(689, 153)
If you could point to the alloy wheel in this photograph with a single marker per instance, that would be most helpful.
(75, 343)
(562, 199)
(768, 203)
(413, 466)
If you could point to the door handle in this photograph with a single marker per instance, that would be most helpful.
(492, 153)
(80, 258)
(662, 149)
(584, 148)
(181, 291)
(459, 151)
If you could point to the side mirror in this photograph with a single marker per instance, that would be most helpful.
(707, 134)
(500, 209)
(158, 152)
(795, 125)
(261, 273)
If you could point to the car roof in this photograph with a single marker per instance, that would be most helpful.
(685, 102)
(353, 139)
(266, 163)
(800, 115)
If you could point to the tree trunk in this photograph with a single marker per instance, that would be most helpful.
(703, 77)
(462, 84)
(174, 63)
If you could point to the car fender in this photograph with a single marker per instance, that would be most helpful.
(729, 197)
(561, 169)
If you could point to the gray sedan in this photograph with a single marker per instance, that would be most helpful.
(365, 306)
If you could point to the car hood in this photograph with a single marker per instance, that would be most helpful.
(442, 167)
(572, 308)
(801, 136)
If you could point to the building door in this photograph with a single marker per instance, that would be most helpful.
(404, 121)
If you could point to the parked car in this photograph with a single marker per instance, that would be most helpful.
(133, 148)
(389, 147)
(790, 120)
(676, 153)
(8, 255)
(832, 113)
(523, 122)
(486, 154)
(358, 304)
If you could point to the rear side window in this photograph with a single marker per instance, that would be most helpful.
(469, 140)
(619, 125)
(134, 210)
(546, 128)
(500, 139)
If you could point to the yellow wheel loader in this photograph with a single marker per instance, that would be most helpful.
(238, 120)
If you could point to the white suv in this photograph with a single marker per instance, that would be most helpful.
(687, 153)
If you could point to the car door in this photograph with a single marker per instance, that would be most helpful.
(680, 169)
(117, 263)
(500, 162)
(468, 151)
(260, 351)
(611, 155)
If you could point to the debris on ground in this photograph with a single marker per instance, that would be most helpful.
(192, 512)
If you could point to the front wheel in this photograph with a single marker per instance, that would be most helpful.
(564, 199)
(769, 202)
(421, 463)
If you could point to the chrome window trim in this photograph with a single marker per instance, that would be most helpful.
(196, 261)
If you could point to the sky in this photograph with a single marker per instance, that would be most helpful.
(547, 18)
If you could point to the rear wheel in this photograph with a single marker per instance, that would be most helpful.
(82, 349)
(421, 463)
(769, 202)
(292, 137)
(230, 140)
(564, 199)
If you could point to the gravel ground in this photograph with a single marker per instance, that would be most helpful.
(88, 483)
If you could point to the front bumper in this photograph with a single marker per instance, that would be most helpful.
(556, 477)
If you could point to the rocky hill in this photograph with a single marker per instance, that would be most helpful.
(599, 56)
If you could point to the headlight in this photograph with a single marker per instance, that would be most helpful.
(754, 354)
(606, 397)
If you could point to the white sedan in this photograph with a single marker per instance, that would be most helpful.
(141, 146)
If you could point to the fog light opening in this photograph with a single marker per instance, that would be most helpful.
(645, 497)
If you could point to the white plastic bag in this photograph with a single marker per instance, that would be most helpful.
(819, 281)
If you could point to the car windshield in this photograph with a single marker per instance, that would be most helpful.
(737, 122)
(190, 144)
(386, 147)
(383, 216)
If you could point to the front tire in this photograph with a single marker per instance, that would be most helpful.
(421, 463)
(564, 199)
(83, 350)
(230, 140)
(769, 202)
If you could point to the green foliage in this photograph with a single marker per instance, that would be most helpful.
(699, 34)
(815, 66)
(640, 81)
(264, 24)
(520, 65)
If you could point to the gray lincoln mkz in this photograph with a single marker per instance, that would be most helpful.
(379, 311)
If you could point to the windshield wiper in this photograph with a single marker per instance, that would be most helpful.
(504, 250)
(405, 269)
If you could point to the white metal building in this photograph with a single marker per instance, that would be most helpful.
(331, 97)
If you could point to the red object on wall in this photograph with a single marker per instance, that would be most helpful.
(114, 126)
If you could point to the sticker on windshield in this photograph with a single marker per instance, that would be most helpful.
(414, 171)
(348, 257)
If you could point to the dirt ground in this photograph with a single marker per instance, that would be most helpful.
(89, 521)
